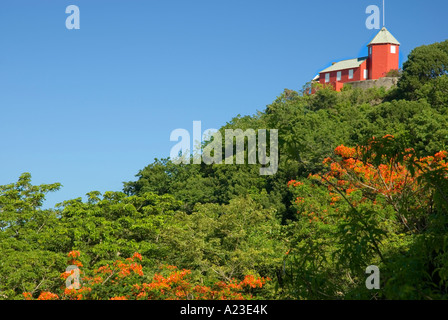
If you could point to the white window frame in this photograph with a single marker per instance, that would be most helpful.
(366, 74)
(393, 49)
(339, 76)
(351, 74)
(327, 77)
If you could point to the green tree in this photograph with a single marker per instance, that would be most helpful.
(424, 64)
(31, 239)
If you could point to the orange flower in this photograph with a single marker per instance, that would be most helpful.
(44, 295)
(28, 296)
(119, 298)
(74, 254)
(441, 155)
(345, 152)
(290, 183)
(138, 256)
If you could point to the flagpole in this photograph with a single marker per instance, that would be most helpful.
(384, 15)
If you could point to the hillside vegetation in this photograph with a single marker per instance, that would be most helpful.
(362, 180)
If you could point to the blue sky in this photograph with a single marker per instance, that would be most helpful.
(89, 108)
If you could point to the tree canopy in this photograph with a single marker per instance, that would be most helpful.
(362, 180)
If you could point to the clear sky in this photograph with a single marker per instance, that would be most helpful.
(89, 108)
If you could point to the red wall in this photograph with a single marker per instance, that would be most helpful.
(381, 61)
(358, 74)
(360, 71)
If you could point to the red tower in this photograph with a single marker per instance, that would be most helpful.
(383, 54)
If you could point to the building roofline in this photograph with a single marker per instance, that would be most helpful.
(356, 64)
(384, 37)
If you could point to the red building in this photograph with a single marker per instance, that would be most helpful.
(382, 58)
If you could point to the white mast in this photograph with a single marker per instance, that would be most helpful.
(384, 15)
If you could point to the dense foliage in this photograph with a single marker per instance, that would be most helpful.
(362, 180)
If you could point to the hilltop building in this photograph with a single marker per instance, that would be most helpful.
(383, 57)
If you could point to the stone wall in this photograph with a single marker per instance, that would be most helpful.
(386, 82)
